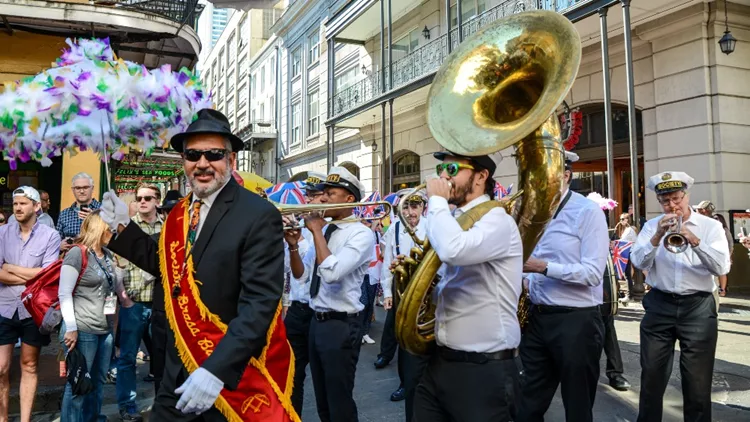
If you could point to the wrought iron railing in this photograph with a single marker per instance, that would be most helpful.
(185, 12)
(427, 59)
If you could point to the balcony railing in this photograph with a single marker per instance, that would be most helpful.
(257, 129)
(427, 59)
(185, 12)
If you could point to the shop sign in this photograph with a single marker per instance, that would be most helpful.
(145, 172)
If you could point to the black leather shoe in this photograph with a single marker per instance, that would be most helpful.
(619, 383)
(398, 395)
(381, 363)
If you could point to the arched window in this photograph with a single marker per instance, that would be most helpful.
(353, 168)
(406, 170)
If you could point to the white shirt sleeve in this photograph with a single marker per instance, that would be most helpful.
(714, 251)
(308, 261)
(594, 249)
(356, 251)
(68, 279)
(455, 246)
(386, 277)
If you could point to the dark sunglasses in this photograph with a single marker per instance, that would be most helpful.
(147, 198)
(194, 155)
(452, 168)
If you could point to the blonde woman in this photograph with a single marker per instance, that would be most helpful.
(88, 310)
(624, 229)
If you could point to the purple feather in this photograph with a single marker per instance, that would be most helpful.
(182, 78)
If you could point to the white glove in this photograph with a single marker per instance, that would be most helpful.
(114, 212)
(199, 392)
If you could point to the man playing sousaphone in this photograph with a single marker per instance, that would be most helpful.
(474, 373)
(398, 244)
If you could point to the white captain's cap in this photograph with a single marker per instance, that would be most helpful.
(314, 180)
(571, 157)
(418, 196)
(340, 177)
(669, 181)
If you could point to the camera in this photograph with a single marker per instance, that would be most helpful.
(69, 241)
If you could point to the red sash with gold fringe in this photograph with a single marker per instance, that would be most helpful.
(264, 391)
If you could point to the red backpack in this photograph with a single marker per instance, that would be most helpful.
(41, 295)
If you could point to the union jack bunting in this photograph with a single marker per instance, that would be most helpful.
(280, 187)
(289, 197)
(620, 256)
(368, 211)
(501, 192)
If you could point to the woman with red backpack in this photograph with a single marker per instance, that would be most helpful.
(88, 304)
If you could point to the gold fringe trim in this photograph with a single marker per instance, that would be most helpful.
(187, 358)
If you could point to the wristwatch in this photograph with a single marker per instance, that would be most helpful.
(545, 270)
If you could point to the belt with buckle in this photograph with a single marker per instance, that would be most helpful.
(341, 316)
(548, 309)
(475, 357)
(302, 305)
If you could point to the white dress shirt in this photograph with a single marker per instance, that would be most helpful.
(205, 208)
(299, 290)
(405, 243)
(629, 234)
(477, 297)
(342, 273)
(575, 245)
(688, 272)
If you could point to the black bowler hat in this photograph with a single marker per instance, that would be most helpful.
(483, 161)
(170, 200)
(208, 121)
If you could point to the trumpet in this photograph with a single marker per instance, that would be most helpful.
(322, 208)
(674, 241)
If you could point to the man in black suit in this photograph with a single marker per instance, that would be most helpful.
(234, 239)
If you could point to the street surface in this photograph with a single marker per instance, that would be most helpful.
(731, 392)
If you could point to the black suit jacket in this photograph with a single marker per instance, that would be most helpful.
(239, 259)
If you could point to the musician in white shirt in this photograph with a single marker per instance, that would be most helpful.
(299, 314)
(335, 264)
(398, 243)
(680, 305)
(563, 341)
(474, 372)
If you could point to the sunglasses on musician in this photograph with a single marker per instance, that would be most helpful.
(214, 154)
(147, 198)
(452, 168)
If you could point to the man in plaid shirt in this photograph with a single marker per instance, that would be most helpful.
(69, 222)
(136, 320)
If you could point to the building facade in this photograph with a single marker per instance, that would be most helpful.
(241, 73)
(34, 34)
(370, 64)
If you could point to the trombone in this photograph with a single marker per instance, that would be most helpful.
(385, 206)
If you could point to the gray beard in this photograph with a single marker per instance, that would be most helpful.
(213, 187)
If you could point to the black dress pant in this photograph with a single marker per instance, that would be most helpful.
(411, 368)
(165, 403)
(691, 320)
(388, 343)
(334, 352)
(612, 347)
(159, 327)
(561, 346)
(452, 391)
(297, 323)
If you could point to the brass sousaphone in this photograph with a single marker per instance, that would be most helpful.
(499, 88)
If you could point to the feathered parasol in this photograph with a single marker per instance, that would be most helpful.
(90, 100)
(605, 204)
